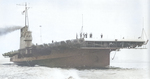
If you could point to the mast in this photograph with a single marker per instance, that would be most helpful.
(26, 35)
(25, 12)
(26, 15)
(82, 25)
(81, 32)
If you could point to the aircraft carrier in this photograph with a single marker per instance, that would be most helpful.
(82, 52)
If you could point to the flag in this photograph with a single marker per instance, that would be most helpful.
(23, 12)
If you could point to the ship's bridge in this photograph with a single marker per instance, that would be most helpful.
(90, 43)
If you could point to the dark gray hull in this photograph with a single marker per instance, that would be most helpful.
(66, 59)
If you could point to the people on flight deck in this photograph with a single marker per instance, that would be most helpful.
(86, 35)
(83, 35)
(101, 35)
(80, 35)
(139, 37)
(90, 35)
(76, 36)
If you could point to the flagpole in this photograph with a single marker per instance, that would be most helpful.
(41, 33)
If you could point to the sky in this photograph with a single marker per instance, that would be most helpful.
(62, 19)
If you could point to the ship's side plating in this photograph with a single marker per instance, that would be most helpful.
(75, 58)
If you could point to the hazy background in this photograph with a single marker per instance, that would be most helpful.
(62, 19)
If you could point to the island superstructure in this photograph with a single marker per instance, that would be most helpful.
(82, 52)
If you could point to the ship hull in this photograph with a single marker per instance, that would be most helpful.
(79, 58)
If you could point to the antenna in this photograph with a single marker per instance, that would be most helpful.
(82, 25)
(26, 13)
(143, 31)
(142, 36)
(41, 33)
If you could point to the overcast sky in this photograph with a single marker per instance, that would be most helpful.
(62, 19)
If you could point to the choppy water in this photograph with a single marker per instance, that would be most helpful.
(11, 71)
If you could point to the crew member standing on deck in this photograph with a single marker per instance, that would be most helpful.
(80, 35)
(101, 35)
(90, 35)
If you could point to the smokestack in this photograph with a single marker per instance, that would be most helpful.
(6, 30)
